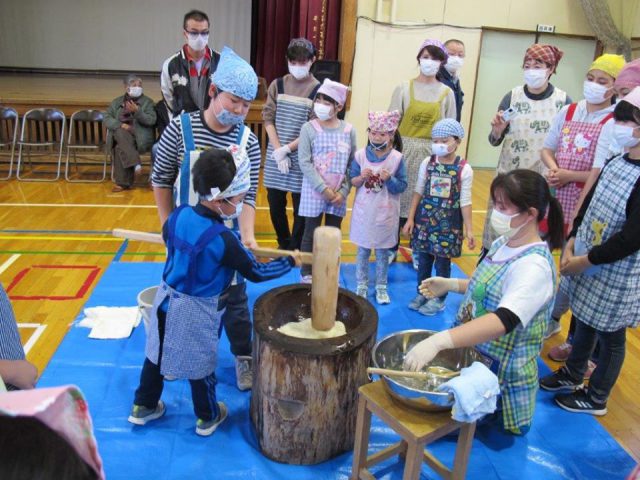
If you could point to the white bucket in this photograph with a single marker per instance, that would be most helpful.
(145, 302)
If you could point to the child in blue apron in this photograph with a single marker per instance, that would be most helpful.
(507, 303)
(202, 257)
(326, 149)
(379, 175)
(440, 212)
(602, 263)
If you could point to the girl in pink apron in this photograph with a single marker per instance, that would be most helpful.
(577, 133)
(379, 175)
(326, 148)
(440, 213)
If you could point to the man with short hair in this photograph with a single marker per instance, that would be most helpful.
(232, 88)
(185, 77)
(448, 73)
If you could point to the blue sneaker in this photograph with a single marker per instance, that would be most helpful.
(141, 415)
(417, 302)
(432, 307)
(206, 428)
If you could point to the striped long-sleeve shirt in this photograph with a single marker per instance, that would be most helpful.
(171, 150)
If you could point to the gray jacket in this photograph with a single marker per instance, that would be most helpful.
(144, 122)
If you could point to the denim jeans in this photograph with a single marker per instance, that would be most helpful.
(382, 265)
(425, 265)
(609, 361)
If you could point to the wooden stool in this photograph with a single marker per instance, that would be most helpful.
(417, 429)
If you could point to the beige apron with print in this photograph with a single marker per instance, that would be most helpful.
(523, 143)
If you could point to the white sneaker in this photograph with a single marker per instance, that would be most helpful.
(244, 373)
(362, 290)
(382, 296)
(306, 279)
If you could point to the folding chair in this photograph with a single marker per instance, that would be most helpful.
(8, 136)
(86, 140)
(42, 135)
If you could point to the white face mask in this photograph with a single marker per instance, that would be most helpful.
(197, 44)
(233, 215)
(623, 135)
(299, 71)
(501, 224)
(440, 149)
(454, 64)
(535, 77)
(429, 67)
(594, 93)
(134, 92)
(322, 111)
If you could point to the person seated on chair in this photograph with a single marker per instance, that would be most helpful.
(16, 372)
(130, 121)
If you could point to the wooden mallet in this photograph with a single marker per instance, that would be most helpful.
(157, 238)
(327, 243)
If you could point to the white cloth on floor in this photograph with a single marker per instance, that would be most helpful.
(110, 322)
(475, 391)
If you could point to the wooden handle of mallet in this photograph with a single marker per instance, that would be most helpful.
(326, 267)
(157, 238)
(397, 373)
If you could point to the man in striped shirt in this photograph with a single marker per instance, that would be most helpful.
(234, 86)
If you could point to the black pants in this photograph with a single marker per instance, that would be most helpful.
(236, 320)
(310, 225)
(609, 361)
(287, 239)
(203, 390)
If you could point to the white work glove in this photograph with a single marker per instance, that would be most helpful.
(426, 350)
(437, 286)
(281, 156)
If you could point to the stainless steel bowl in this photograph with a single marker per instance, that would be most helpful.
(418, 394)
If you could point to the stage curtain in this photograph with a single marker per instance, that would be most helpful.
(281, 20)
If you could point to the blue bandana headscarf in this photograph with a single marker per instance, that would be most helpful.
(234, 75)
(447, 127)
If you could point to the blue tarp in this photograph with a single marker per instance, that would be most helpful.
(560, 445)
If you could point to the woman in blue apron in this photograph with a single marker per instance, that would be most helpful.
(202, 257)
(507, 302)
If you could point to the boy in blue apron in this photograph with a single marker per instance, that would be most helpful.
(202, 258)
(507, 302)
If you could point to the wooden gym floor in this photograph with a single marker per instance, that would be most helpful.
(55, 244)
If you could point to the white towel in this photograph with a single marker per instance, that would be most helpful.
(475, 391)
(110, 322)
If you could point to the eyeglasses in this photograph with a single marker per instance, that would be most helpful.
(195, 35)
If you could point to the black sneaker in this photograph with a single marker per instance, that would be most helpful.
(560, 380)
(579, 402)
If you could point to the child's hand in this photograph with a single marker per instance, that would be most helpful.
(575, 265)
(471, 241)
(384, 175)
(437, 286)
(408, 228)
(337, 199)
(297, 257)
(328, 194)
(567, 253)
(366, 173)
